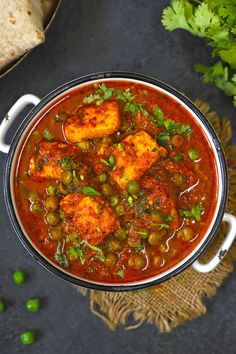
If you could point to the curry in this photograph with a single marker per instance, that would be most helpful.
(116, 182)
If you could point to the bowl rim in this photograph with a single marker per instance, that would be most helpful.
(75, 83)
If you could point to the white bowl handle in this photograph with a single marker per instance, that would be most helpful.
(20, 104)
(229, 238)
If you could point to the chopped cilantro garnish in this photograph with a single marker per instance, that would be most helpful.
(195, 212)
(121, 273)
(47, 135)
(139, 247)
(163, 226)
(90, 191)
(77, 252)
(178, 157)
(110, 162)
(169, 218)
(159, 115)
(101, 255)
(61, 258)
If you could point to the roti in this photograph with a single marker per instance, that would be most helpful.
(21, 28)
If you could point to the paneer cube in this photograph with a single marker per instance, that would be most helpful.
(48, 158)
(91, 217)
(138, 153)
(92, 122)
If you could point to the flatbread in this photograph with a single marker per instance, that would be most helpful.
(21, 28)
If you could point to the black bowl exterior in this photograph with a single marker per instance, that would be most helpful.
(74, 83)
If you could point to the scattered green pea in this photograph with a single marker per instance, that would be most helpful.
(36, 208)
(19, 277)
(84, 145)
(112, 161)
(193, 154)
(52, 203)
(103, 177)
(52, 219)
(133, 187)
(114, 200)
(32, 305)
(120, 210)
(144, 234)
(27, 337)
(107, 190)
(2, 306)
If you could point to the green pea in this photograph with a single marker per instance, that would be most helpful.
(110, 259)
(33, 197)
(112, 161)
(52, 203)
(115, 245)
(114, 200)
(154, 238)
(136, 261)
(144, 234)
(120, 210)
(2, 306)
(52, 189)
(56, 233)
(177, 179)
(84, 145)
(107, 190)
(133, 187)
(186, 232)
(193, 154)
(27, 337)
(103, 177)
(62, 189)
(36, 208)
(19, 277)
(52, 219)
(120, 234)
(67, 177)
(32, 305)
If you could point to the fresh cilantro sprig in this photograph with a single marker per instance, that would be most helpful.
(195, 212)
(90, 191)
(215, 22)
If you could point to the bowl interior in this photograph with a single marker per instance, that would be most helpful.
(59, 95)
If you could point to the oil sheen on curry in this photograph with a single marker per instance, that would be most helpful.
(116, 182)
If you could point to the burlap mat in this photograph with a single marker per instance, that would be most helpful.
(181, 298)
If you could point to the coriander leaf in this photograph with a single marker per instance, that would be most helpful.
(95, 248)
(77, 252)
(121, 273)
(47, 135)
(215, 22)
(91, 98)
(195, 212)
(175, 16)
(163, 226)
(61, 258)
(90, 191)
(178, 157)
(139, 247)
(160, 115)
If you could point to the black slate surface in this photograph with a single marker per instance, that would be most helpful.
(89, 36)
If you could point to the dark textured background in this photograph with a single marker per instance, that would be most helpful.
(89, 36)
